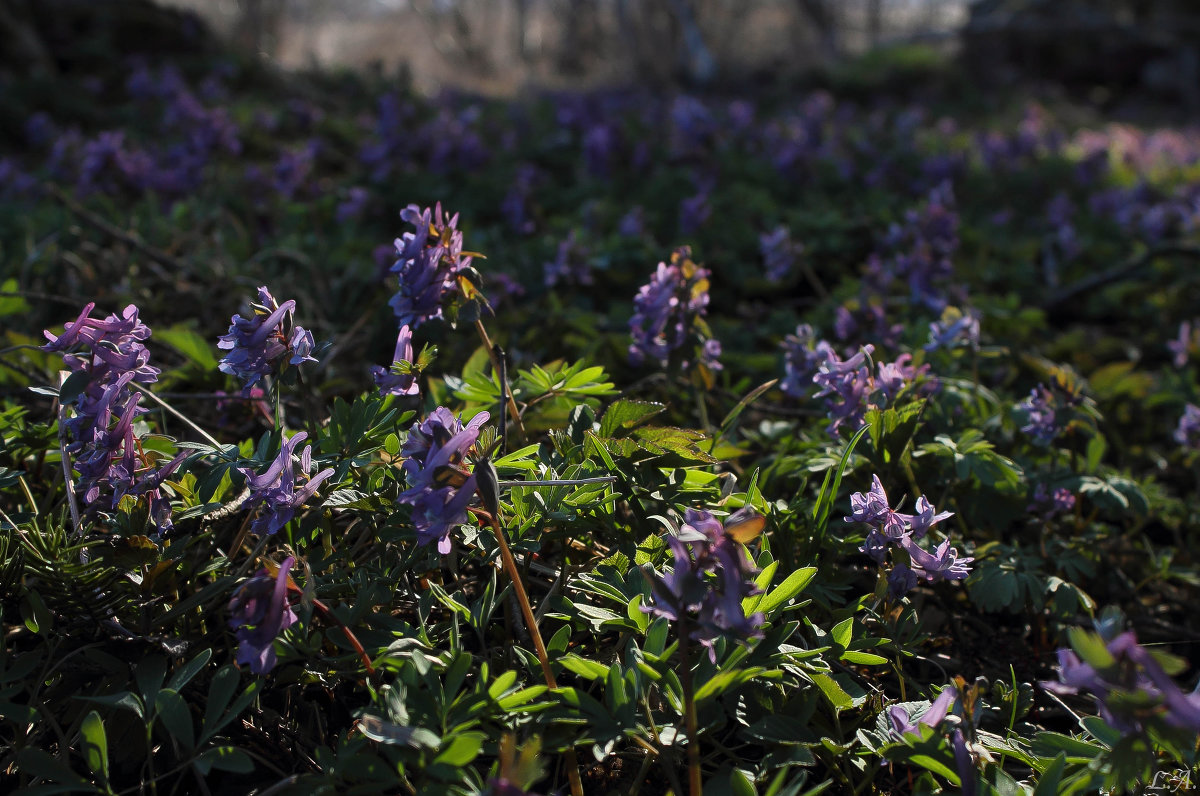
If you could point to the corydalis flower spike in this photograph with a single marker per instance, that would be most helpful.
(260, 612)
(260, 345)
(390, 381)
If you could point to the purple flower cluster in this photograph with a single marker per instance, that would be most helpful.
(570, 264)
(399, 379)
(902, 724)
(107, 454)
(848, 386)
(710, 577)
(1132, 690)
(955, 328)
(778, 253)
(669, 309)
(259, 345)
(1041, 418)
(439, 485)
(430, 260)
(1047, 505)
(921, 251)
(1187, 340)
(889, 526)
(275, 490)
(1187, 433)
(260, 612)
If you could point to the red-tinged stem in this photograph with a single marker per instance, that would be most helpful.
(358, 647)
(695, 785)
(510, 567)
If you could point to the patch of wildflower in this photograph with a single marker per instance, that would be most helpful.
(921, 251)
(265, 343)
(100, 436)
(890, 527)
(1041, 416)
(710, 576)
(260, 612)
(275, 490)
(570, 264)
(439, 485)
(669, 311)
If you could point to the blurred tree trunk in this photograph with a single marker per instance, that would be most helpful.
(822, 16)
(874, 22)
(21, 46)
(259, 24)
(698, 59)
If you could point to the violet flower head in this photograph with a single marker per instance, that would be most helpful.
(845, 386)
(669, 310)
(1187, 433)
(803, 354)
(439, 485)
(892, 528)
(942, 564)
(570, 264)
(399, 379)
(429, 261)
(264, 343)
(954, 329)
(261, 611)
(710, 577)
(275, 490)
(1047, 505)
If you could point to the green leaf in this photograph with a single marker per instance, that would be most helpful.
(1047, 783)
(95, 745)
(9, 304)
(635, 612)
(740, 784)
(193, 346)
(386, 732)
(751, 397)
(624, 414)
(723, 681)
(863, 658)
(590, 670)
(842, 632)
(462, 750)
(832, 691)
(792, 585)
(73, 387)
(125, 699)
(173, 712)
(184, 674)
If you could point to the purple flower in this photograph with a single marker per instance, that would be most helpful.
(710, 577)
(803, 355)
(570, 264)
(954, 329)
(632, 224)
(1132, 692)
(1047, 505)
(901, 580)
(258, 345)
(694, 211)
(439, 485)
(353, 205)
(1187, 433)
(400, 379)
(429, 262)
(845, 386)
(1182, 345)
(778, 253)
(261, 612)
(100, 435)
(275, 488)
(942, 564)
(1040, 420)
(670, 309)
(903, 724)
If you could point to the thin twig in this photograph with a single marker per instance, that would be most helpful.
(513, 412)
(66, 468)
(188, 421)
(1117, 273)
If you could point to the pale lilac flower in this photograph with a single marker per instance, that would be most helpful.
(778, 253)
(1040, 420)
(429, 262)
(904, 724)
(942, 564)
(667, 311)
(261, 611)
(1183, 343)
